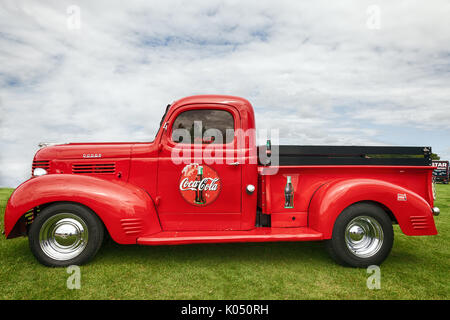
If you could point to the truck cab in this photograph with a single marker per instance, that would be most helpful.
(203, 179)
(217, 135)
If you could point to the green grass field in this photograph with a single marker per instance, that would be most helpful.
(418, 268)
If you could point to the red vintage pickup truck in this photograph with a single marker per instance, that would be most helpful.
(204, 180)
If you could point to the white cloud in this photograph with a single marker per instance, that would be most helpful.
(311, 68)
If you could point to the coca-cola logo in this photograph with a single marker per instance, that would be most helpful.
(199, 184)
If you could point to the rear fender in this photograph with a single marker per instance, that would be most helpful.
(413, 213)
(126, 210)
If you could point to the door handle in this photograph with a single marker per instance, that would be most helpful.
(234, 163)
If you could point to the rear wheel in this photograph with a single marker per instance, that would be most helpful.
(362, 236)
(65, 234)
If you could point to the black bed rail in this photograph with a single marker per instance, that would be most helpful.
(345, 155)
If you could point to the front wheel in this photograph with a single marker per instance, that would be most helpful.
(362, 236)
(65, 234)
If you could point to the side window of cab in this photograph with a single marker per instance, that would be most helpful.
(203, 126)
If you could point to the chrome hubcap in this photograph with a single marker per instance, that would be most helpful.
(364, 236)
(63, 236)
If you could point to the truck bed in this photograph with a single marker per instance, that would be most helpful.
(292, 155)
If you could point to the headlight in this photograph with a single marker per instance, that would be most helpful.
(39, 172)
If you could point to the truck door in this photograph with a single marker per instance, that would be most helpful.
(199, 182)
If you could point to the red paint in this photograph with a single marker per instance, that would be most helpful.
(255, 235)
(113, 201)
(135, 189)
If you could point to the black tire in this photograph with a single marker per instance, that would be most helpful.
(62, 217)
(365, 216)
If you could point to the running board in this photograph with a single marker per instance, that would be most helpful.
(255, 235)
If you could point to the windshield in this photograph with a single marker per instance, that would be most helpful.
(162, 119)
(164, 115)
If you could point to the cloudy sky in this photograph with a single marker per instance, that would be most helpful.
(323, 72)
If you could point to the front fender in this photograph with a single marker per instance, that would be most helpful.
(414, 215)
(126, 210)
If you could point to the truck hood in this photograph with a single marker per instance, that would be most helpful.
(85, 151)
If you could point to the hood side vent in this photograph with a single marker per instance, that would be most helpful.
(94, 168)
(44, 164)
